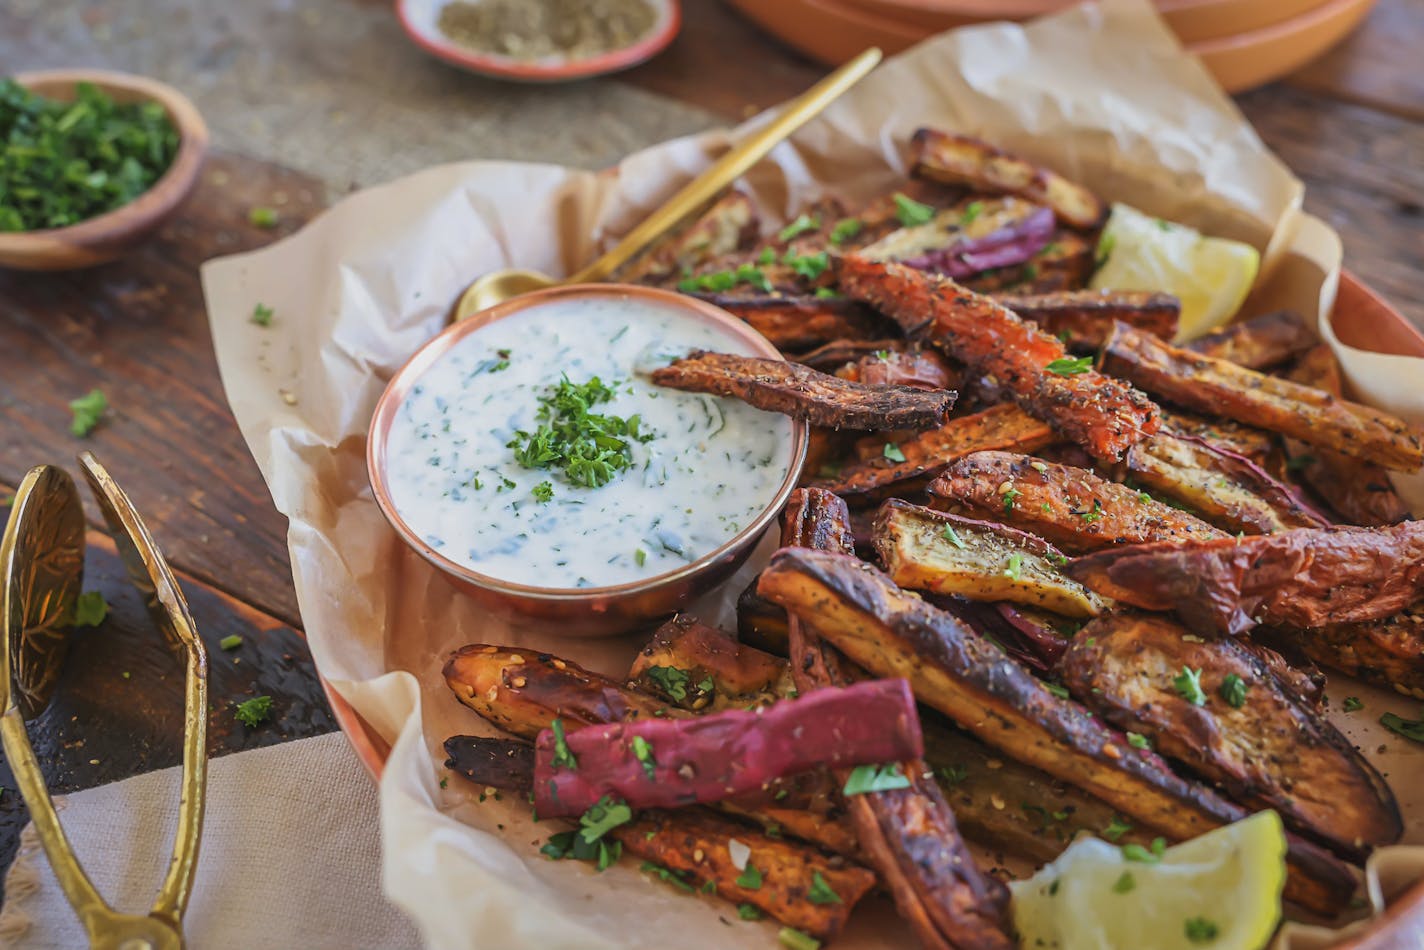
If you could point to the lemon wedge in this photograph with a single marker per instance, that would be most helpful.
(1221, 891)
(1211, 276)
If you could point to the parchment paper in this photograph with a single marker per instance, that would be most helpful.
(1102, 94)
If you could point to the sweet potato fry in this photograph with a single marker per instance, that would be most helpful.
(743, 675)
(1082, 319)
(836, 354)
(1387, 652)
(522, 692)
(694, 845)
(1360, 491)
(667, 763)
(968, 239)
(803, 393)
(959, 159)
(1302, 579)
(1226, 490)
(1070, 507)
(908, 834)
(891, 633)
(1255, 444)
(1258, 343)
(1233, 724)
(1103, 415)
(729, 224)
(929, 550)
(801, 322)
(1222, 388)
(927, 454)
(912, 366)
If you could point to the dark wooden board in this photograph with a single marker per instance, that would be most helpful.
(137, 330)
(118, 708)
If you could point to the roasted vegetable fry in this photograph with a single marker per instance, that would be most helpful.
(1387, 652)
(1082, 319)
(961, 160)
(1300, 579)
(522, 692)
(1225, 489)
(891, 633)
(912, 366)
(696, 846)
(1233, 724)
(1064, 264)
(1360, 491)
(1257, 445)
(929, 550)
(665, 763)
(836, 354)
(908, 834)
(929, 453)
(803, 393)
(744, 676)
(1070, 507)
(970, 238)
(1258, 343)
(1103, 415)
(1299, 673)
(801, 322)
(729, 224)
(1222, 388)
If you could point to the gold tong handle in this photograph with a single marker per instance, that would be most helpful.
(729, 167)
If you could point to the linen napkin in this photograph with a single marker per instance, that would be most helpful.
(290, 856)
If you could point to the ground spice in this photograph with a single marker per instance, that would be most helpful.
(536, 29)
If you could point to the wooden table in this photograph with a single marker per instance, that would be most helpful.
(1351, 125)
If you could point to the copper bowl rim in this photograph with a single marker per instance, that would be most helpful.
(395, 392)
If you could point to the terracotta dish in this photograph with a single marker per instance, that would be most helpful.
(593, 611)
(419, 19)
(106, 237)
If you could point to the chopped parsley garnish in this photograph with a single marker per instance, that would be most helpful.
(1009, 497)
(255, 711)
(708, 686)
(603, 818)
(826, 293)
(90, 609)
(971, 212)
(1409, 729)
(260, 217)
(588, 448)
(643, 752)
(1116, 829)
(670, 680)
(748, 912)
(809, 266)
(1015, 568)
(1353, 704)
(820, 892)
(571, 844)
(1070, 365)
(1125, 883)
(65, 162)
(911, 212)
(1057, 690)
(1233, 690)
(801, 225)
(1198, 929)
(563, 757)
(845, 229)
(874, 778)
(1057, 558)
(793, 939)
(1143, 497)
(750, 878)
(1094, 513)
(675, 878)
(892, 452)
(544, 491)
(640, 557)
(1136, 852)
(261, 315)
(954, 537)
(1188, 686)
(1138, 741)
(230, 643)
(88, 410)
(767, 256)
(952, 774)
(718, 281)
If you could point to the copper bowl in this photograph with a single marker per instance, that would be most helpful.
(588, 611)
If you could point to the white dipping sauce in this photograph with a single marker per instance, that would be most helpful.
(711, 467)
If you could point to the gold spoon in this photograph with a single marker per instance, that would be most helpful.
(501, 285)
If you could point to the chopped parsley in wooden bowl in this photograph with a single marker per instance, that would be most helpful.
(90, 162)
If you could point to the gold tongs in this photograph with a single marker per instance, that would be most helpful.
(41, 573)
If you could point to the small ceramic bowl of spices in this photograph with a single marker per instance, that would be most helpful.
(541, 40)
(94, 161)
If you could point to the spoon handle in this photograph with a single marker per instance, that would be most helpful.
(729, 167)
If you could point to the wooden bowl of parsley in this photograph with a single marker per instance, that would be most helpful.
(91, 162)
